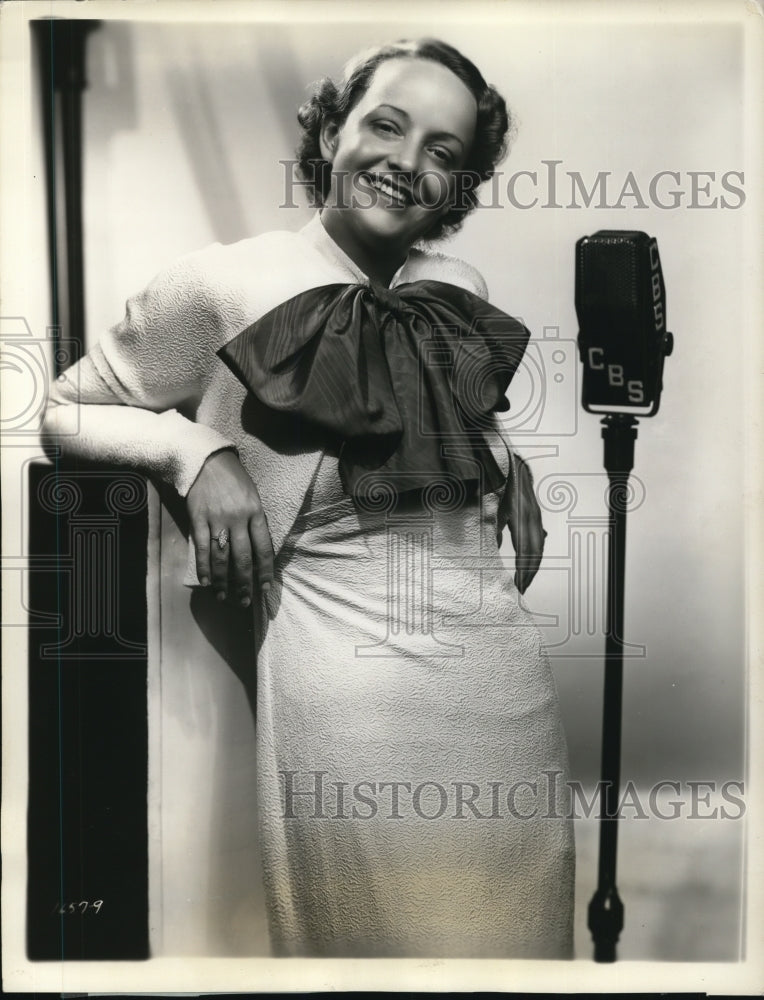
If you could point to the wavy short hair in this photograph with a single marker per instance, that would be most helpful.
(330, 102)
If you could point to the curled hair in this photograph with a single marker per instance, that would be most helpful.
(330, 102)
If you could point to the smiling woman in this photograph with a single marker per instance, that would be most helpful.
(383, 148)
(426, 130)
(325, 401)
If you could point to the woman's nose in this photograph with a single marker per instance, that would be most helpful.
(404, 158)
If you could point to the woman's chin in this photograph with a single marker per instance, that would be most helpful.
(391, 225)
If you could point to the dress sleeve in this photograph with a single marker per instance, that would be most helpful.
(428, 263)
(129, 401)
(474, 280)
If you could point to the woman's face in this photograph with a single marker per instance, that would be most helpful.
(395, 157)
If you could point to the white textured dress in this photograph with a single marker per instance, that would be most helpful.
(411, 760)
(411, 764)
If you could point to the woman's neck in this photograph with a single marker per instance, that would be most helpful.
(379, 262)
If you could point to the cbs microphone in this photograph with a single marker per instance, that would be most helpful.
(622, 342)
(621, 308)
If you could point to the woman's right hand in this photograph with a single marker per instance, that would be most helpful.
(224, 497)
(526, 528)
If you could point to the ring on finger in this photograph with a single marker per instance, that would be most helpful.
(222, 538)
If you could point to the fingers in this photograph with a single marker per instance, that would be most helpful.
(223, 499)
(235, 567)
(528, 538)
(526, 528)
(262, 545)
(211, 560)
(241, 566)
(200, 532)
(219, 562)
(233, 570)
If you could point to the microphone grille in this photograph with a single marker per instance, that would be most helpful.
(608, 270)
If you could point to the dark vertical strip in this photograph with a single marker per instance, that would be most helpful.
(87, 842)
(71, 83)
(88, 738)
(61, 47)
(44, 50)
(605, 915)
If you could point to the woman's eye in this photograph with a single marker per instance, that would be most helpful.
(444, 155)
(386, 127)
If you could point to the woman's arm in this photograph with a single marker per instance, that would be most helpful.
(84, 420)
(122, 404)
(119, 404)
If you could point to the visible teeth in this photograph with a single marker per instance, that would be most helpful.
(386, 188)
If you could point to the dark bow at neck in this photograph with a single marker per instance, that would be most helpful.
(405, 380)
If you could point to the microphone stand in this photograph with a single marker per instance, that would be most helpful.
(605, 915)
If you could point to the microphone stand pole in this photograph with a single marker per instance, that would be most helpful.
(619, 431)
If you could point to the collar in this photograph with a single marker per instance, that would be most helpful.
(316, 235)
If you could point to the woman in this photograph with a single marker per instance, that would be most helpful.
(324, 402)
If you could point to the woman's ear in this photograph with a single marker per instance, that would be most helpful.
(328, 138)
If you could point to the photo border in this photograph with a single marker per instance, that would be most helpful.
(278, 975)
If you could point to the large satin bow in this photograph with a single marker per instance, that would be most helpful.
(404, 380)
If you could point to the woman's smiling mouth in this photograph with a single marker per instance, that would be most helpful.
(398, 195)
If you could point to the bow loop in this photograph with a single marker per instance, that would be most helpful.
(407, 380)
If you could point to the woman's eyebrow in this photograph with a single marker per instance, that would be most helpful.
(407, 116)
